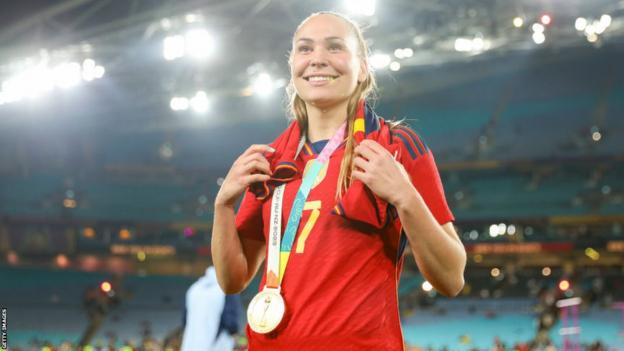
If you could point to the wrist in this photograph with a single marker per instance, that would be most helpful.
(406, 200)
(221, 204)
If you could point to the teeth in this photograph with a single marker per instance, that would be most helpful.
(320, 78)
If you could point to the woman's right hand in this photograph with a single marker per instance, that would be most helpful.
(250, 167)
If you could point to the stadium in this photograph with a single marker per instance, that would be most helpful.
(120, 120)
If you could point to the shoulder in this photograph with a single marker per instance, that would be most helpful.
(409, 140)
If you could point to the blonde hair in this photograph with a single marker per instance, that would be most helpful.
(363, 90)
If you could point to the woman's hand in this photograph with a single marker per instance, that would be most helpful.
(250, 167)
(380, 171)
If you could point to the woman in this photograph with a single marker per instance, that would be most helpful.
(347, 206)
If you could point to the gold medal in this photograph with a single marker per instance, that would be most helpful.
(266, 310)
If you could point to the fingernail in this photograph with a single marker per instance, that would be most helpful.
(271, 149)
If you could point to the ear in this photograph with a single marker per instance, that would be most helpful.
(363, 71)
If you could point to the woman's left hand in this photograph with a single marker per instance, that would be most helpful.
(380, 171)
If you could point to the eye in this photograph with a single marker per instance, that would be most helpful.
(304, 48)
(335, 47)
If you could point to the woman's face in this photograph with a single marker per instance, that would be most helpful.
(325, 65)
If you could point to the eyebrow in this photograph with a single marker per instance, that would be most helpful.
(326, 39)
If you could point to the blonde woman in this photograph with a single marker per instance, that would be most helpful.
(331, 204)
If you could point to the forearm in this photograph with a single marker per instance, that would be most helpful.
(440, 256)
(227, 251)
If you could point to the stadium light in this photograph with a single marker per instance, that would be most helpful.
(546, 271)
(106, 286)
(596, 136)
(199, 102)
(88, 70)
(191, 18)
(495, 272)
(605, 20)
(179, 103)
(493, 230)
(546, 19)
(380, 60)
(67, 75)
(38, 79)
(518, 22)
(539, 38)
(165, 23)
(263, 85)
(98, 71)
(502, 229)
(580, 24)
(537, 28)
(403, 53)
(476, 44)
(395, 66)
(598, 27)
(426, 286)
(463, 44)
(198, 43)
(564, 285)
(173, 47)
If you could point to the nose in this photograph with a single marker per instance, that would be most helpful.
(318, 58)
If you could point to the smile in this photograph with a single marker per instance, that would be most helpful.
(319, 78)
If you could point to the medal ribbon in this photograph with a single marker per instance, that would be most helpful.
(279, 253)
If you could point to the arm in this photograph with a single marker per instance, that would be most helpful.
(236, 259)
(438, 252)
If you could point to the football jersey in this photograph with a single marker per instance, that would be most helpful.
(340, 286)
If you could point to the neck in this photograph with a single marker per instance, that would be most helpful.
(323, 122)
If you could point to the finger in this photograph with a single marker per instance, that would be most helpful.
(254, 178)
(365, 151)
(260, 148)
(375, 146)
(257, 166)
(254, 157)
(359, 175)
(361, 163)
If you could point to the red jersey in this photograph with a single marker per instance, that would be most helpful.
(340, 286)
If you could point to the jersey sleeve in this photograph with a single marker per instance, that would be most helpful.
(420, 164)
(249, 218)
